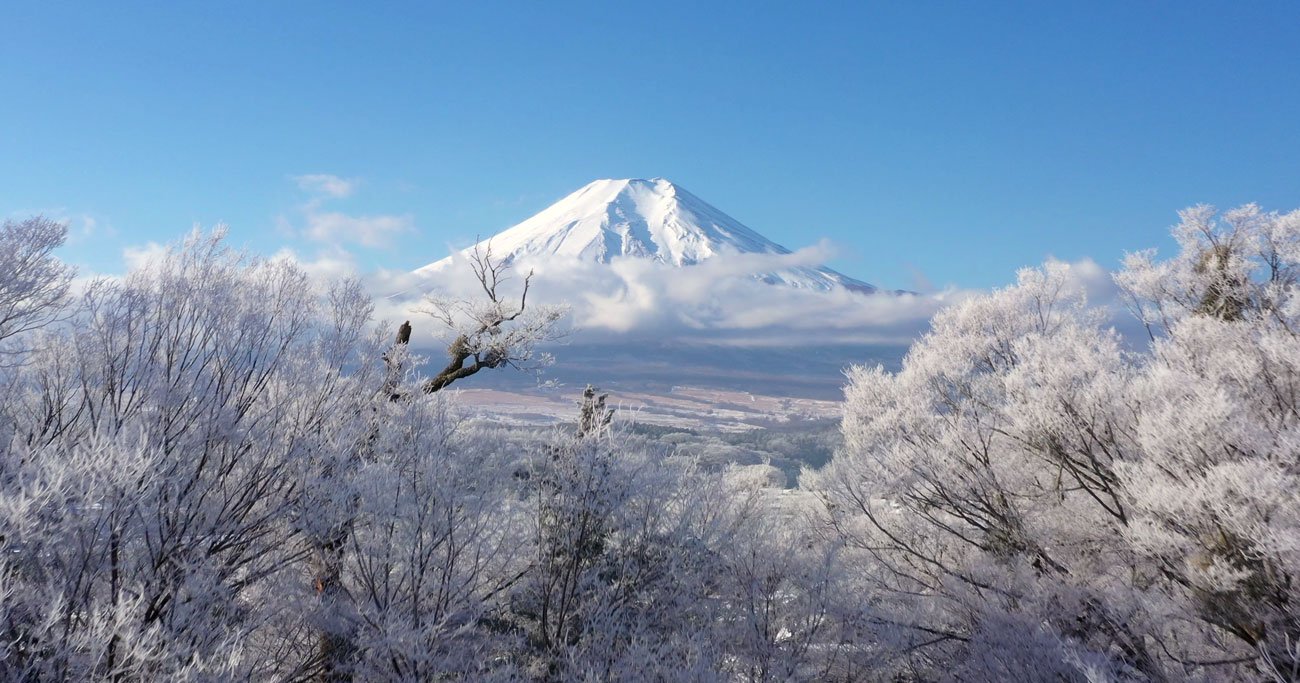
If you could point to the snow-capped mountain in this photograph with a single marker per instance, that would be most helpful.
(651, 219)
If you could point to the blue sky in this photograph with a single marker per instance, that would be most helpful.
(960, 141)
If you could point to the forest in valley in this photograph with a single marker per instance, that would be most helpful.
(211, 470)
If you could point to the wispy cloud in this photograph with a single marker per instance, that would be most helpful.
(329, 264)
(140, 255)
(326, 266)
(327, 184)
(332, 227)
(86, 227)
(335, 228)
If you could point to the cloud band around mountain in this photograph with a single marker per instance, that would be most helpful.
(722, 300)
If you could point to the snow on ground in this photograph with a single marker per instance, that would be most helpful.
(682, 406)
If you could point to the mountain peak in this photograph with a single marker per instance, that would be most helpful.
(607, 190)
(623, 183)
(650, 218)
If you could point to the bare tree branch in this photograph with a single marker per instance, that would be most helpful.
(494, 331)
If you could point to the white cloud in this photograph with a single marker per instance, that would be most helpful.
(139, 256)
(1100, 291)
(333, 227)
(331, 264)
(336, 228)
(325, 267)
(327, 184)
(88, 225)
(717, 301)
(1095, 281)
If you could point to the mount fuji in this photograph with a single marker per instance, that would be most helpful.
(645, 219)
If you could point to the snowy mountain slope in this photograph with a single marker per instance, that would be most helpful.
(651, 219)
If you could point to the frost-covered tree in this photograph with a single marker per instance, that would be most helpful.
(1215, 504)
(33, 283)
(438, 542)
(619, 586)
(153, 519)
(1029, 501)
(206, 477)
(488, 332)
(491, 330)
(978, 485)
(781, 616)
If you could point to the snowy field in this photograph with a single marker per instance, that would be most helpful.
(685, 407)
